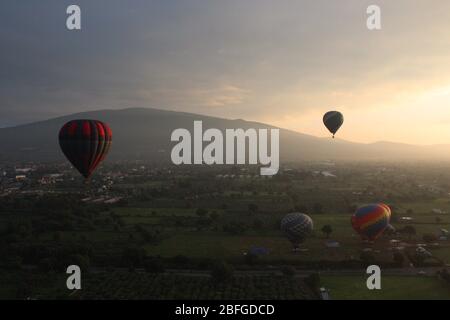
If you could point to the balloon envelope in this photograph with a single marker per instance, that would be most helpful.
(333, 120)
(389, 212)
(85, 143)
(297, 226)
(370, 221)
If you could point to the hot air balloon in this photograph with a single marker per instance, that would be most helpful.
(297, 226)
(371, 220)
(387, 208)
(85, 143)
(333, 120)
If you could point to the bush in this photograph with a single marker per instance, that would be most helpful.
(313, 281)
(47, 265)
(181, 261)
(133, 257)
(221, 271)
(234, 228)
(327, 230)
(367, 257)
(12, 263)
(201, 212)
(250, 258)
(288, 271)
(429, 237)
(154, 265)
(398, 258)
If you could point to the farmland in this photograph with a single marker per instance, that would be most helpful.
(393, 288)
(134, 285)
(184, 219)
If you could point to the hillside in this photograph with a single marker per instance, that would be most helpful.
(140, 133)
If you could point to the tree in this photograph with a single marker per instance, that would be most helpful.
(201, 212)
(410, 231)
(181, 261)
(420, 258)
(203, 223)
(429, 237)
(327, 230)
(234, 227)
(23, 290)
(252, 208)
(214, 216)
(154, 265)
(257, 224)
(221, 271)
(47, 265)
(12, 262)
(57, 236)
(250, 258)
(367, 257)
(133, 257)
(288, 271)
(398, 258)
(313, 281)
(444, 275)
(352, 208)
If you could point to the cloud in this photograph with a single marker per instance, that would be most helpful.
(222, 97)
(260, 60)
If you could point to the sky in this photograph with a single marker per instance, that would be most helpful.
(282, 62)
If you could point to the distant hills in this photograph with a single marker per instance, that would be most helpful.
(144, 134)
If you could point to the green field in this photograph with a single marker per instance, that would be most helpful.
(189, 220)
(392, 288)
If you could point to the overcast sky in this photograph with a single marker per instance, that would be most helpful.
(283, 62)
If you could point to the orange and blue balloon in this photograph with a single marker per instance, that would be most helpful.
(371, 220)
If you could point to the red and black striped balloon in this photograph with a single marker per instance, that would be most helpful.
(85, 143)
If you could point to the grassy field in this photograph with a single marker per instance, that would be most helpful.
(161, 217)
(217, 244)
(392, 288)
(228, 246)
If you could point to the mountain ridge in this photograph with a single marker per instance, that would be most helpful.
(144, 133)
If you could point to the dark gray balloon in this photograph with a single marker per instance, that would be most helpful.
(297, 226)
(333, 120)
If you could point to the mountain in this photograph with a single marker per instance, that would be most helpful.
(140, 133)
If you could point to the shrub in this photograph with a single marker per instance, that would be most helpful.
(221, 271)
(288, 271)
